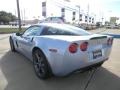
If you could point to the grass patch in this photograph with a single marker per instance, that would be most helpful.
(10, 30)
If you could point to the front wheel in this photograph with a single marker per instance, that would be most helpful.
(40, 65)
(12, 45)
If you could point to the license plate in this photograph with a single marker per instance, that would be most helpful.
(97, 54)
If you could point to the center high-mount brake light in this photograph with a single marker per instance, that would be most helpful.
(84, 46)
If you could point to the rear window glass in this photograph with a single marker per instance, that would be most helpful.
(64, 30)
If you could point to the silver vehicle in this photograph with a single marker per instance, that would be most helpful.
(53, 20)
(60, 49)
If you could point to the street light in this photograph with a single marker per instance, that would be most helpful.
(19, 18)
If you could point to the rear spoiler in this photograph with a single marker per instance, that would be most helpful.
(101, 37)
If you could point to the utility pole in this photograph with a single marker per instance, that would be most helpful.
(18, 11)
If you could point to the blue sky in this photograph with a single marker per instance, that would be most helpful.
(105, 8)
(114, 6)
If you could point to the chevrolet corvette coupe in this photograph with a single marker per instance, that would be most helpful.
(60, 49)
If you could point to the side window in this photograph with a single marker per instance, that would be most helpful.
(52, 31)
(49, 31)
(33, 31)
(63, 32)
(27, 31)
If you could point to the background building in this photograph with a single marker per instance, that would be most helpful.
(70, 12)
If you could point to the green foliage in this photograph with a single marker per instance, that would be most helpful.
(10, 30)
(5, 17)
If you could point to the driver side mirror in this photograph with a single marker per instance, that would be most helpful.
(18, 34)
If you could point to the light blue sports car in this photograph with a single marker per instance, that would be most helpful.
(60, 49)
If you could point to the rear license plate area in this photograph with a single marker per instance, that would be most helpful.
(97, 54)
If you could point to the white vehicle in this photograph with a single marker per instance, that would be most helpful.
(61, 49)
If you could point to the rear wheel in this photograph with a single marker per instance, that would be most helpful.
(40, 65)
(12, 45)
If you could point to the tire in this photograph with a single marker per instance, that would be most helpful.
(40, 65)
(12, 45)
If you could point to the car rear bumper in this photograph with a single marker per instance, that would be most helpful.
(63, 65)
(63, 71)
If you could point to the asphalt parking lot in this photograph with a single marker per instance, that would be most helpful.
(16, 71)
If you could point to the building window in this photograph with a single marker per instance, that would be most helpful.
(80, 15)
(92, 20)
(62, 12)
(43, 4)
(44, 9)
(44, 13)
(80, 19)
(73, 13)
(89, 19)
(86, 18)
(73, 16)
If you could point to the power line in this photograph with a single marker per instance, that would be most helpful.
(66, 7)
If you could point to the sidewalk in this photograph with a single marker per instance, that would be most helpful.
(99, 30)
(4, 36)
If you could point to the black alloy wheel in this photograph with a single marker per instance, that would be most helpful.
(40, 65)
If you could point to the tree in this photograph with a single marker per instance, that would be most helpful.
(5, 17)
(113, 19)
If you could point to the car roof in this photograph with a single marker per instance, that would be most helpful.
(56, 25)
(52, 24)
(54, 17)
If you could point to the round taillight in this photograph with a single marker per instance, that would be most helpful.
(84, 46)
(73, 48)
(109, 41)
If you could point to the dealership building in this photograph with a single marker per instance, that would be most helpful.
(67, 10)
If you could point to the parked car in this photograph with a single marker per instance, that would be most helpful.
(112, 26)
(53, 20)
(60, 49)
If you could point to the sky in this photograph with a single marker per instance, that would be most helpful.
(31, 9)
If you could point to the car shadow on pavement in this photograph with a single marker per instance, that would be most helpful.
(18, 74)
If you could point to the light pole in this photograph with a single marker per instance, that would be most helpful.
(19, 18)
